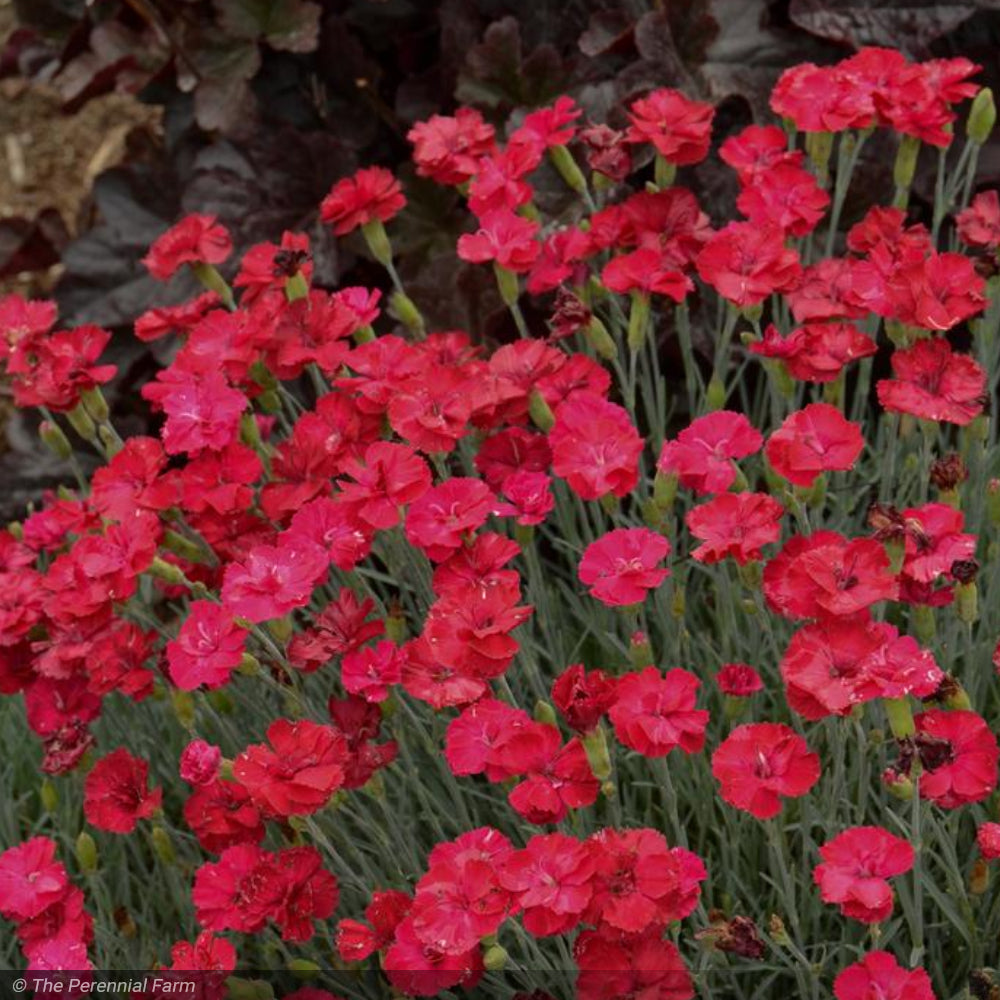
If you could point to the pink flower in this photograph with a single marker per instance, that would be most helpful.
(653, 714)
(273, 579)
(503, 237)
(196, 239)
(811, 441)
(759, 763)
(595, 447)
(621, 566)
(702, 454)
(207, 649)
(856, 865)
(199, 763)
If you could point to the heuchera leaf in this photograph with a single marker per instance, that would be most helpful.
(498, 73)
(910, 25)
(287, 25)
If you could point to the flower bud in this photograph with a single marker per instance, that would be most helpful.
(281, 628)
(906, 161)
(638, 321)
(715, 394)
(494, 958)
(545, 713)
(364, 335)
(270, 401)
(541, 415)
(296, 287)
(664, 489)
(640, 650)
(982, 117)
(86, 853)
(776, 928)
(652, 516)
(406, 311)
(897, 785)
(54, 439)
(249, 665)
(900, 717)
(182, 546)
(162, 847)
(562, 160)
(924, 626)
(664, 172)
(979, 877)
(595, 744)
(378, 241)
(678, 603)
(183, 705)
(49, 796)
(111, 441)
(81, 421)
(967, 602)
(507, 282)
(248, 989)
(167, 572)
(600, 340)
(97, 405)
(819, 146)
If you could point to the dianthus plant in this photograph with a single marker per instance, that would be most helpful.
(648, 652)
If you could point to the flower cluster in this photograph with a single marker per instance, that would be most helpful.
(459, 634)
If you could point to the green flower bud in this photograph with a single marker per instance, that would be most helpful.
(303, 968)
(665, 489)
(81, 421)
(248, 989)
(54, 439)
(664, 172)
(982, 117)
(183, 705)
(270, 401)
(49, 796)
(86, 853)
(364, 334)
(281, 628)
(638, 321)
(250, 431)
(539, 411)
(595, 744)
(924, 626)
(249, 665)
(162, 847)
(507, 282)
(494, 958)
(97, 405)
(562, 160)
(378, 241)
(182, 546)
(296, 287)
(906, 162)
(406, 311)
(715, 394)
(819, 146)
(167, 572)
(600, 340)
(967, 602)
(545, 713)
(900, 717)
